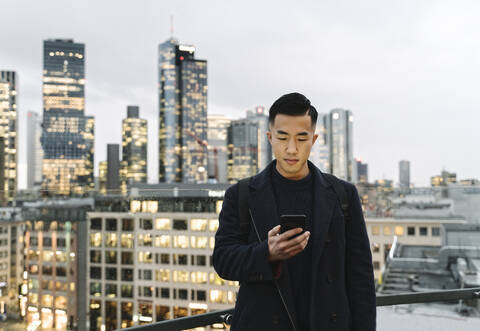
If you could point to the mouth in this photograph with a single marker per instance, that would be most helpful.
(291, 161)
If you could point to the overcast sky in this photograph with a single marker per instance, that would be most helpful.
(408, 70)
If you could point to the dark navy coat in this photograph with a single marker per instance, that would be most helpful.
(343, 291)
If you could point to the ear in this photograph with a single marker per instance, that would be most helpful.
(269, 135)
(315, 136)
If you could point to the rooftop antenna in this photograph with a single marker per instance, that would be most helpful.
(171, 26)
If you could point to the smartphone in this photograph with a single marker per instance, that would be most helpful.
(288, 222)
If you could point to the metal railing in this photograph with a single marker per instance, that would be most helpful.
(224, 316)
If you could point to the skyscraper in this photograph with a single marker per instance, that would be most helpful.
(404, 174)
(340, 142)
(182, 89)
(361, 172)
(134, 146)
(264, 148)
(242, 149)
(217, 148)
(319, 153)
(113, 168)
(8, 135)
(34, 150)
(66, 131)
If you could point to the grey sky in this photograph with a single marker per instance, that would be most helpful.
(407, 69)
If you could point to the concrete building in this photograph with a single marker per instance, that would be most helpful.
(113, 168)
(260, 117)
(383, 232)
(242, 149)
(150, 259)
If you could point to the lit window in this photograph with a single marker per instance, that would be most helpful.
(127, 240)
(218, 207)
(135, 206)
(199, 277)
(180, 241)
(198, 242)
(145, 257)
(198, 224)
(212, 242)
(375, 247)
(162, 275)
(215, 279)
(96, 239)
(218, 296)
(387, 230)
(180, 276)
(399, 230)
(375, 230)
(111, 240)
(213, 225)
(162, 241)
(162, 224)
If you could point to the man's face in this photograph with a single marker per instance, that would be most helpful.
(292, 138)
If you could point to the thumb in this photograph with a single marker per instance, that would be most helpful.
(274, 231)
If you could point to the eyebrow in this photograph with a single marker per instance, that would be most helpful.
(304, 133)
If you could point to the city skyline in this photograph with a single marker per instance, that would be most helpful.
(403, 116)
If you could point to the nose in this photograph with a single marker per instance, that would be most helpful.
(291, 146)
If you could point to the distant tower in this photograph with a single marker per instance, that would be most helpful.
(182, 84)
(113, 168)
(66, 138)
(134, 146)
(319, 154)
(8, 136)
(404, 174)
(243, 149)
(340, 142)
(217, 148)
(264, 148)
(34, 150)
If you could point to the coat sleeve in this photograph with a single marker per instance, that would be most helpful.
(233, 257)
(359, 269)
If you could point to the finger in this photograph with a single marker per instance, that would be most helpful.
(300, 246)
(294, 241)
(274, 231)
(290, 233)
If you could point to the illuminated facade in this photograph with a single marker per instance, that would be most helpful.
(8, 136)
(152, 262)
(67, 134)
(217, 148)
(242, 149)
(182, 88)
(102, 177)
(339, 126)
(134, 146)
(55, 271)
(34, 150)
(12, 302)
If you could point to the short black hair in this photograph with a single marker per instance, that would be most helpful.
(293, 104)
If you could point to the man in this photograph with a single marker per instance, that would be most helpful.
(321, 279)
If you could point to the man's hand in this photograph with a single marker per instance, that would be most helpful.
(281, 248)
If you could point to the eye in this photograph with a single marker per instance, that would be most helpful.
(282, 138)
(302, 139)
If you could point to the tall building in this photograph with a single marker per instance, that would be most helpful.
(340, 141)
(8, 136)
(113, 168)
(182, 84)
(264, 148)
(102, 177)
(217, 148)
(319, 153)
(89, 140)
(34, 150)
(361, 172)
(134, 146)
(66, 167)
(404, 174)
(444, 179)
(242, 143)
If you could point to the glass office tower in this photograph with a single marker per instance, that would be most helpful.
(8, 136)
(242, 149)
(340, 141)
(182, 88)
(66, 139)
(134, 146)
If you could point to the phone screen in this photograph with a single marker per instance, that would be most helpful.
(288, 222)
